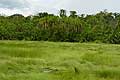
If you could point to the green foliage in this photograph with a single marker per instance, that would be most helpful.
(103, 27)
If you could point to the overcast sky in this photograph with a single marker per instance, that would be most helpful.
(28, 7)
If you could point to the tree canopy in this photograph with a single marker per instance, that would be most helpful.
(101, 27)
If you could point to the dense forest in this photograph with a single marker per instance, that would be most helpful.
(101, 27)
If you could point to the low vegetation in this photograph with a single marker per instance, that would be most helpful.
(20, 60)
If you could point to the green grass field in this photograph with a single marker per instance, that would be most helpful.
(20, 60)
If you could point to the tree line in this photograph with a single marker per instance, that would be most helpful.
(101, 27)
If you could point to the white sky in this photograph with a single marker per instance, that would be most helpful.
(28, 7)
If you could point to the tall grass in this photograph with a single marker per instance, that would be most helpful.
(20, 60)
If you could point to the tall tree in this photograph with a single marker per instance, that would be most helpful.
(73, 14)
(62, 13)
(44, 14)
